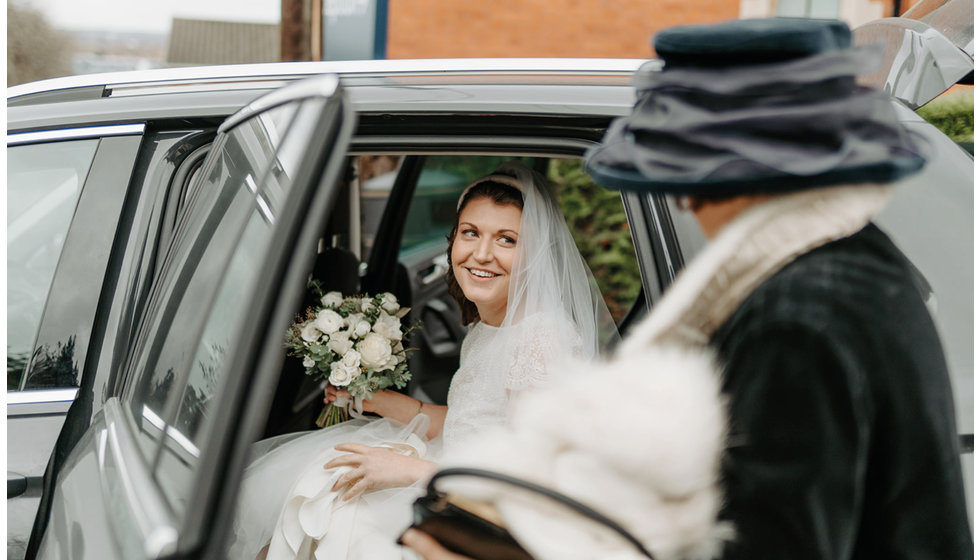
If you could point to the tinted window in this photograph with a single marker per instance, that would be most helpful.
(213, 265)
(212, 227)
(43, 185)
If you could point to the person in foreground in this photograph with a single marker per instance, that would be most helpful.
(529, 299)
(842, 439)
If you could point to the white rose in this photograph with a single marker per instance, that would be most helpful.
(352, 359)
(340, 375)
(367, 304)
(332, 299)
(361, 329)
(309, 333)
(375, 351)
(308, 362)
(389, 302)
(388, 326)
(329, 321)
(353, 319)
(391, 363)
(340, 344)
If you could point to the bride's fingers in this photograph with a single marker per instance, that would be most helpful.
(346, 479)
(353, 447)
(345, 460)
(355, 490)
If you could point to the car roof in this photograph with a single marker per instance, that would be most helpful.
(589, 86)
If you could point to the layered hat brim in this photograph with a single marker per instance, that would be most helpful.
(765, 124)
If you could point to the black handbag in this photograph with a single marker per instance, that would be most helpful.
(460, 528)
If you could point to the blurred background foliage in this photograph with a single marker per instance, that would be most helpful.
(598, 223)
(952, 114)
(35, 50)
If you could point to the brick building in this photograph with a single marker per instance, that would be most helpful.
(581, 28)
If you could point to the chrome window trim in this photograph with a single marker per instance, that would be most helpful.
(36, 396)
(19, 138)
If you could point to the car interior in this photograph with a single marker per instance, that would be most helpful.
(388, 233)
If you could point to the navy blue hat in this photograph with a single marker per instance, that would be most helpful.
(755, 106)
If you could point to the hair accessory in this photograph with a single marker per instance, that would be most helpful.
(495, 178)
(755, 106)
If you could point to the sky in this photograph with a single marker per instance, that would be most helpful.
(152, 16)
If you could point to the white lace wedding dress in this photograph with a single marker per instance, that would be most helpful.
(286, 501)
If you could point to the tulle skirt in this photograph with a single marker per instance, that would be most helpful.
(286, 503)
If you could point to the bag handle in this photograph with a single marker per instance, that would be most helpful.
(547, 492)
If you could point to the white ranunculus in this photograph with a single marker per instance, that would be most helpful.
(340, 343)
(340, 375)
(332, 300)
(375, 351)
(329, 321)
(389, 302)
(308, 362)
(361, 329)
(388, 326)
(353, 319)
(310, 333)
(367, 304)
(352, 359)
(391, 363)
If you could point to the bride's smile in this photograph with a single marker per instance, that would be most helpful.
(483, 252)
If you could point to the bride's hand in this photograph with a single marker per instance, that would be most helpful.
(375, 468)
(331, 393)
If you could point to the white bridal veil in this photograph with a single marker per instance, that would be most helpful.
(552, 293)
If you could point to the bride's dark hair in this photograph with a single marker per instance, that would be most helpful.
(498, 193)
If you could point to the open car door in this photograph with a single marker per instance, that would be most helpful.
(156, 473)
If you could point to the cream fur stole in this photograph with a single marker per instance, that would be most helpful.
(640, 437)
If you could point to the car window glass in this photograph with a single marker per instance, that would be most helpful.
(185, 435)
(201, 250)
(44, 182)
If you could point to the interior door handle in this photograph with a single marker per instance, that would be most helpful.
(435, 272)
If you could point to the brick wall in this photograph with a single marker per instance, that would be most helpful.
(540, 28)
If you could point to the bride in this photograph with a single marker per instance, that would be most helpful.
(530, 303)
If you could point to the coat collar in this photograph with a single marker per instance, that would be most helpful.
(747, 251)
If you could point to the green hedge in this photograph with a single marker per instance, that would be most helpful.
(598, 223)
(952, 114)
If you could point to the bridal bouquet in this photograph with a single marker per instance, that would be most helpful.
(354, 343)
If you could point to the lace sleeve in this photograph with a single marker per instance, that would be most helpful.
(544, 342)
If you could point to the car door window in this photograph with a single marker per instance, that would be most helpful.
(44, 182)
(213, 225)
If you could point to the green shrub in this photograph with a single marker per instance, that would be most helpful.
(598, 223)
(952, 114)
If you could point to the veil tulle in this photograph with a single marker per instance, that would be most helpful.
(551, 286)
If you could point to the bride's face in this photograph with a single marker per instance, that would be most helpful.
(482, 255)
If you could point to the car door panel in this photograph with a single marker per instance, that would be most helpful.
(440, 332)
(120, 461)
